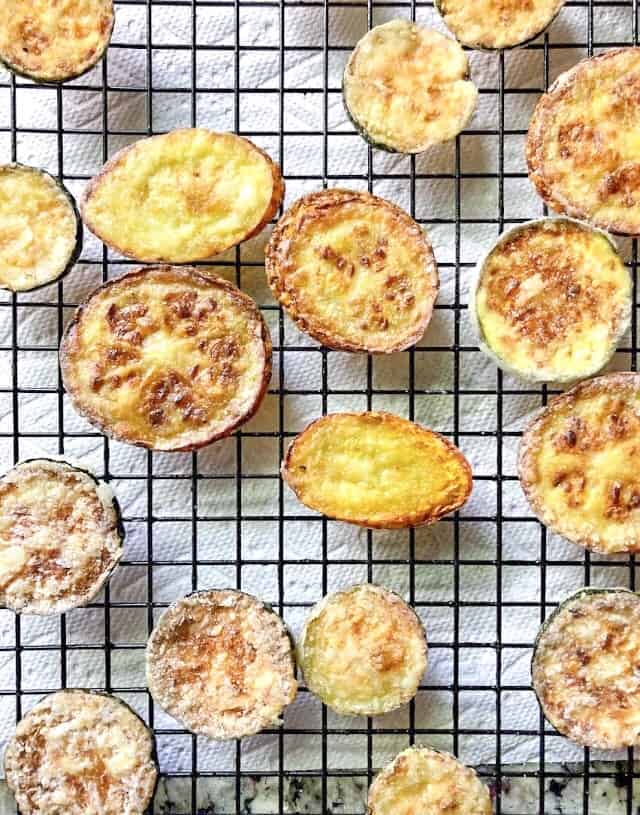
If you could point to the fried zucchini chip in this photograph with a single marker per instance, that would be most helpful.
(376, 470)
(551, 300)
(582, 147)
(40, 229)
(406, 88)
(54, 40)
(577, 464)
(585, 668)
(497, 24)
(183, 196)
(363, 651)
(354, 271)
(78, 752)
(221, 663)
(167, 358)
(60, 536)
(428, 782)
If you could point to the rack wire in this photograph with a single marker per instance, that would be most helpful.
(202, 499)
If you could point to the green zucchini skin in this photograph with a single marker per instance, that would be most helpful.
(360, 129)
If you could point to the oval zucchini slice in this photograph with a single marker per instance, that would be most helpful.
(54, 41)
(582, 143)
(61, 536)
(585, 668)
(40, 229)
(354, 271)
(221, 663)
(497, 24)
(376, 470)
(183, 196)
(79, 752)
(363, 651)
(578, 468)
(406, 88)
(167, 358)
(429, 782)
(551, 300)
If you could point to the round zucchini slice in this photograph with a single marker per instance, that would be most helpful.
(40, 229)
(585, 668)
(406, 88)
(60, 536)
(581, 147)
(183, 196)
(551, 300)
(167, 358)
(428, 782)
(496, 24)
(78, 752)
(354, 271)
(221, 663)
(54, 41)
(376, 470)
(363, 651)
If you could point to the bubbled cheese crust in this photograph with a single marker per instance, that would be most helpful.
(376, 470)
(363, 651)
(40, 231)
(583, 148)
(495, 24)
(60, 537)
(183, 196)
(578, 464)
(406, 87)
(421, 781)
(354, 271)
(585, 669)
(167, 358)
(54, 40)
(221, 663)
(552, 300)
(77, 753)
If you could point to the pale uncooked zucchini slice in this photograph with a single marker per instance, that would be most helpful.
(221, 663)
(497, 24)
(183, 196)
(54, 40)
(585, 668)
(422, 781)
(354, 271)
(363, 651)
(551, 300)
(78, 752)
(582, 147)
(167, 358)
(60, 536)
(376, 470)
(40, 229)
(407, 88)
(578, 464)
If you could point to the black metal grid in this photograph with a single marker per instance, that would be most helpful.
(476, 539)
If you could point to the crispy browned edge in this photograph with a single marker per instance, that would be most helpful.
(276, 254)
(276, 196)
(401, 523)
(535, 139)
(70, 338)
(530, 444)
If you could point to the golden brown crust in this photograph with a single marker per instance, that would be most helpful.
(182, 196)
(577, 467)
(580, 147)
(354, 271)
(167, 358)
(376, 470)
(222, 663)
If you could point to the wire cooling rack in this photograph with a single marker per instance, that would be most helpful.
(222, 517)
